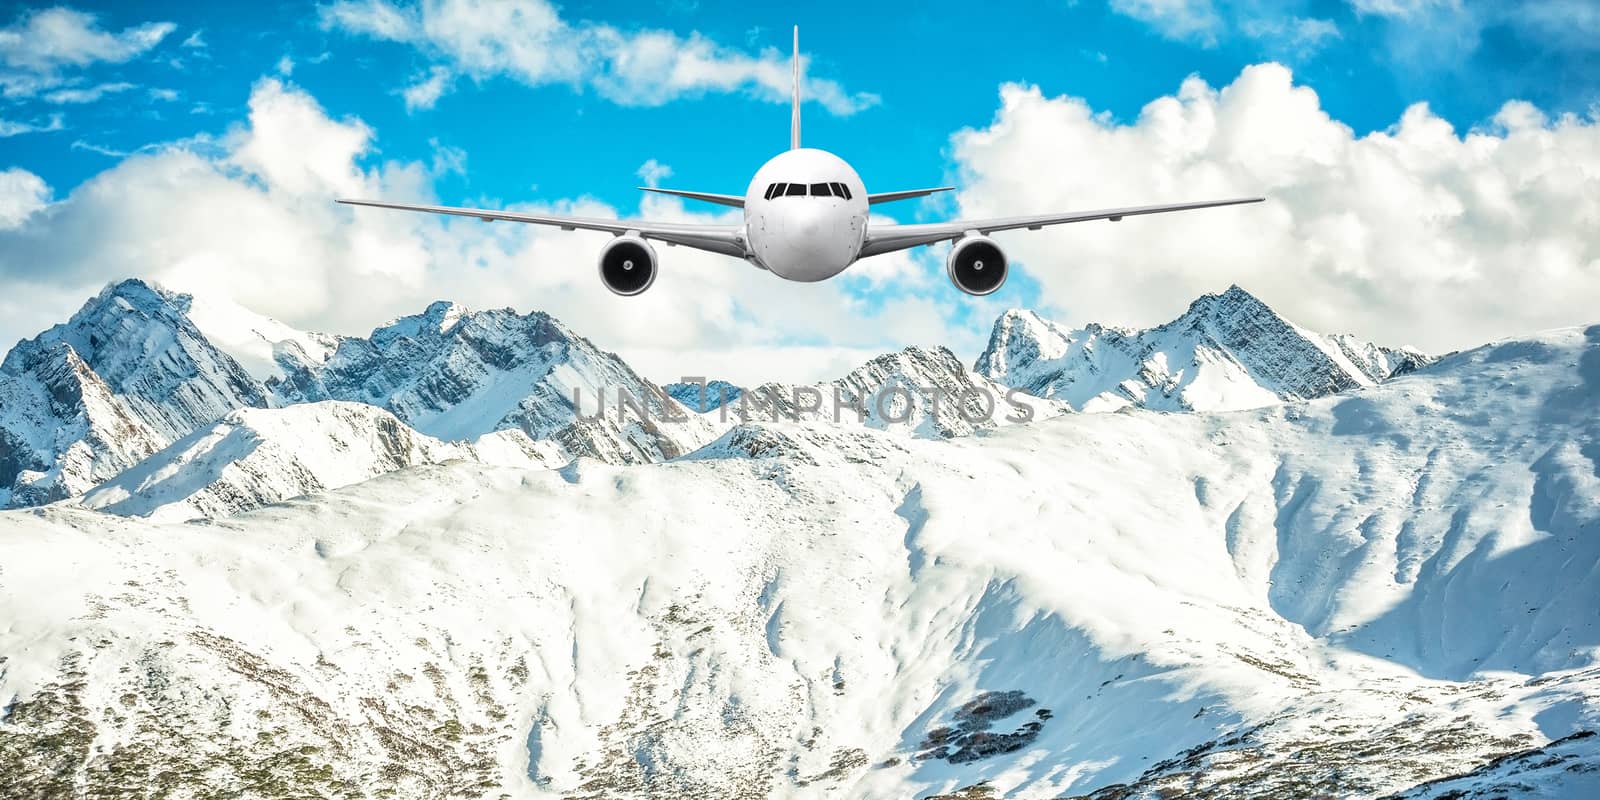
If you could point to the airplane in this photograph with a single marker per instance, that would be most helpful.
(805, 219)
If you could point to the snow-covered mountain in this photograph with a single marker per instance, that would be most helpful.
(127, 375)
(456, 375)
(1388, 590)
(1227, 351)
(924, 391)
(253, 457)
(140, 367)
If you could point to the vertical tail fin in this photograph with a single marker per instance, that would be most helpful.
(794, 119)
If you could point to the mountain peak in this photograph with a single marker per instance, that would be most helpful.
(444, 314)
(1020, 335)
(1228, 350)
(139, 290)
(1234, 300)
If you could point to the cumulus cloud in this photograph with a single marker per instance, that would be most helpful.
(21, 194)
(1418, 234)
(250, 217)
(37, 47)
(527, 40)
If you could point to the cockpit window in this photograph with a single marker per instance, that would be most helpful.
(830, 189)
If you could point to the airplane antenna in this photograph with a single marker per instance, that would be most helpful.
(794, 120)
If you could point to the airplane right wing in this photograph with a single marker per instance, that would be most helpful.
(889, 238)
(720, 199)
(724, 239)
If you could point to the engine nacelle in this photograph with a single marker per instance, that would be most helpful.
(628, 265)
(976, 265)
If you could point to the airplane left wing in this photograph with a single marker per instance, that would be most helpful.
(725, 239)
(889, 238)
(890, 197)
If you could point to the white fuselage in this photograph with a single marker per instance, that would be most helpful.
(809, 236)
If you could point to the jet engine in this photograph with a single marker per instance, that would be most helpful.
(628, 265)
(976, 265)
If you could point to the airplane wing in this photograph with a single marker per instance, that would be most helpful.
(720, 199)
(889, 238)
(724, 239)
(890, 197)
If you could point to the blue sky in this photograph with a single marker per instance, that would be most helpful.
(105, 81)
(936, 68)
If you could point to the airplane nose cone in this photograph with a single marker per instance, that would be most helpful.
(808, 244)
(810, 228)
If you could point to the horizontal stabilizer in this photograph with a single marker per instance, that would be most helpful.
(720, 199)
(890, 197)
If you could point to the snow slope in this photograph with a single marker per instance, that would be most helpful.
(1226, 352)
(1352, 596)
(254, 457)
(263, 346)
(257, 456)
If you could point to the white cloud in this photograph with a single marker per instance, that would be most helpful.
(21, 194)
(87, 95)
(447, 160)
(39, 45)
(285, 66)
(425, 93)
(652, 171)
(250, 217)
(1437, 37)
(1301, 36)
(91, 147)
(10, 128)
(1402, 8)
(1571, 23)
(195, 41)
(1418, 234)
(1274, 26)
(1193, 20)
(529, 41)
